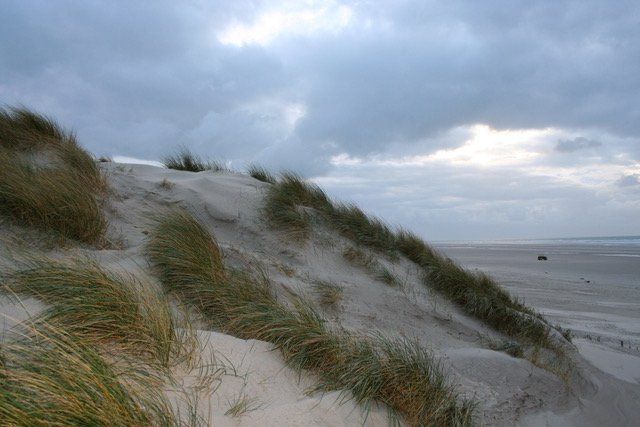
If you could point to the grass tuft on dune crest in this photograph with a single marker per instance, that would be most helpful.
(101, 306)
(51, 377)
(47, 180)
(185, 160)
(261, 174)
(403, 376)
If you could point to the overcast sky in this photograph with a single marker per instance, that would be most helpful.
(458, 119)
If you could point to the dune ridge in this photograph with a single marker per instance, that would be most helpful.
(195, 275)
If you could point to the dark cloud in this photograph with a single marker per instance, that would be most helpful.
(575, 144)
(404, 77)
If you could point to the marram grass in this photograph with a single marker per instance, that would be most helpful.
(47, 180)
(397, 373)
(261, 174)
(114, 310)
(49, 377)
(50, 199)
(185, 160)
(287, 207)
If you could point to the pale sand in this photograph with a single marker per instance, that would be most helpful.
(509, 390)
(593, 290)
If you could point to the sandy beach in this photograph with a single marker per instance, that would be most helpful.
(590, 286)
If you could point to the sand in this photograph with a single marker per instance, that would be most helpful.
(509, 390)
(592, 289)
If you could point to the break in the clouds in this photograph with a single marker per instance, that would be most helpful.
(461, 119)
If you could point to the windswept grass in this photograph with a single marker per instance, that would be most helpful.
(329, 293)
(401, 375)
(102, 307)
(285, 203)
(47, 180)
(261, 174)
(55, 200)
(185, 160)
(360, 258)
(23, 129)
(49, 377)
(477, 294)
(287, 206)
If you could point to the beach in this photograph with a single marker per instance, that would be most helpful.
(590, 286)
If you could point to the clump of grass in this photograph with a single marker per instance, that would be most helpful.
(358, 257)
(242, 404)
(261, 174)
(50, 199)
(404, 377)
(354, 224)
(166, 184)
(101, 306)
(285, 208)
(61, 196)
(328, 293)
(22, 129)
(285, 201)
(50, 377)
(185, 160)
(386, 276)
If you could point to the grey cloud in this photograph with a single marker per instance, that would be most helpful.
(139, 79)
(629, 180)
(579, 143)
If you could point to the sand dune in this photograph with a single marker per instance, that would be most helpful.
(508, 390)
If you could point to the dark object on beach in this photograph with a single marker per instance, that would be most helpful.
(542, 258)
(588, 281)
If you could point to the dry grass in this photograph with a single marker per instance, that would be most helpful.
(165, 184)
(358, 257)
(242, 404)
(397, 373)
(285, 201)
(261, 174)
(328, 293)
(62, 195)
(477, 294)
(185, 160)
(115, 310)
(52, 378)
(55, 200)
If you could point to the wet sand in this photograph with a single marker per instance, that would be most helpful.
(594, 290)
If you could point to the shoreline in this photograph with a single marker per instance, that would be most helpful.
(593, 290)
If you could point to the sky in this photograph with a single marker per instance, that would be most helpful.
(461, 120)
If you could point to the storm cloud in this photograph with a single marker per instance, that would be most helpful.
(497, 117)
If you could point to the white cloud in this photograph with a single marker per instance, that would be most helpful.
(296, 18)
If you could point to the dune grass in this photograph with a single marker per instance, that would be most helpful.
(287, 206)
(261, 174)
(285, 202)
(403, 376)
(50, 377)
(47, 180)
(477, 294)
(56, 200)
(185, 160)
(328, 293)
(114, 310)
